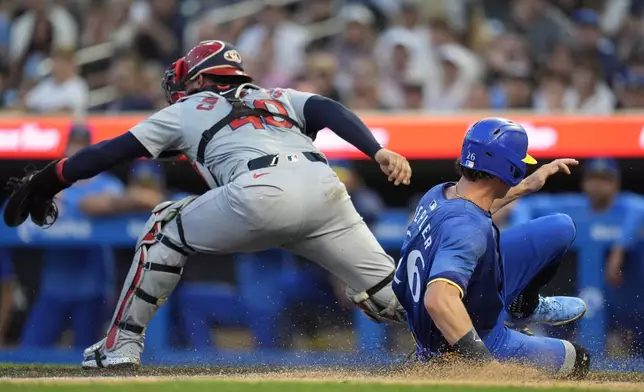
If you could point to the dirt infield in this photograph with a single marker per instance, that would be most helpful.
(489, 376)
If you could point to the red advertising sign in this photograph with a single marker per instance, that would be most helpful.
(418, 137)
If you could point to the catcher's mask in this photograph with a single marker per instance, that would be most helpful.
(173, 84)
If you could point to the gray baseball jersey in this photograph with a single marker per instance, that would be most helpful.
(295, 204)
(180, 126)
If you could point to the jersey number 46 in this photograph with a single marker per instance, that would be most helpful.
(208, 103)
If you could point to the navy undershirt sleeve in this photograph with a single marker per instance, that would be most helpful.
(102, 156)
(321, 112)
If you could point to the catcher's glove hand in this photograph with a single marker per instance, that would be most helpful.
(33, 195)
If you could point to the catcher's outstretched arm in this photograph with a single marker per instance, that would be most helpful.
(97, 158)
(33, 194)
(321, 112)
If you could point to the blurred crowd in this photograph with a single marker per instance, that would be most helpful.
(576, 56)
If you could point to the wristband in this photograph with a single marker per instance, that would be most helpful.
(472, 347)
(59, 171)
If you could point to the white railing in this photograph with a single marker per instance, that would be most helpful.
(84, 56)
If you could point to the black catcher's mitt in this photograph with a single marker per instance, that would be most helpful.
(33, 195)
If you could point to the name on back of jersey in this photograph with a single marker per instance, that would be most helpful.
(421, 221)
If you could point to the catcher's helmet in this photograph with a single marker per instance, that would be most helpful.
(499, 147)
(207, 57)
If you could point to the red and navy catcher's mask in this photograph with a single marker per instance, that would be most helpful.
(173, 83)
(207, 57)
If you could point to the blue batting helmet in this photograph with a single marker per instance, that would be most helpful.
(499, 147)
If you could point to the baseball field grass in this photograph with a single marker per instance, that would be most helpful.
(496, 377)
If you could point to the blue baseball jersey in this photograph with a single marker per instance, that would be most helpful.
(456, 242)
(76, 273)
(622, 224)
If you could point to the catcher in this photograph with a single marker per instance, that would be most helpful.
(270, 187)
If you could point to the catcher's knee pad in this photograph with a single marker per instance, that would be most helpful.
(156, 269)
(378, 310)
(576, 362)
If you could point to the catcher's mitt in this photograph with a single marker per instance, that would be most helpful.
(33, 195)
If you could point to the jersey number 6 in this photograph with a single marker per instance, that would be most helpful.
(413, 273)
(266, 104)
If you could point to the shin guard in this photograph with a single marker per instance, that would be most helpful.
(155, 272)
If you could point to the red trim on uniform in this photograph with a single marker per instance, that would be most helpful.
(149, 236)
(111, 338)
(111, 335)
(59, 171)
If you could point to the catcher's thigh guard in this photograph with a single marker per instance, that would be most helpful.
(155, 272)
